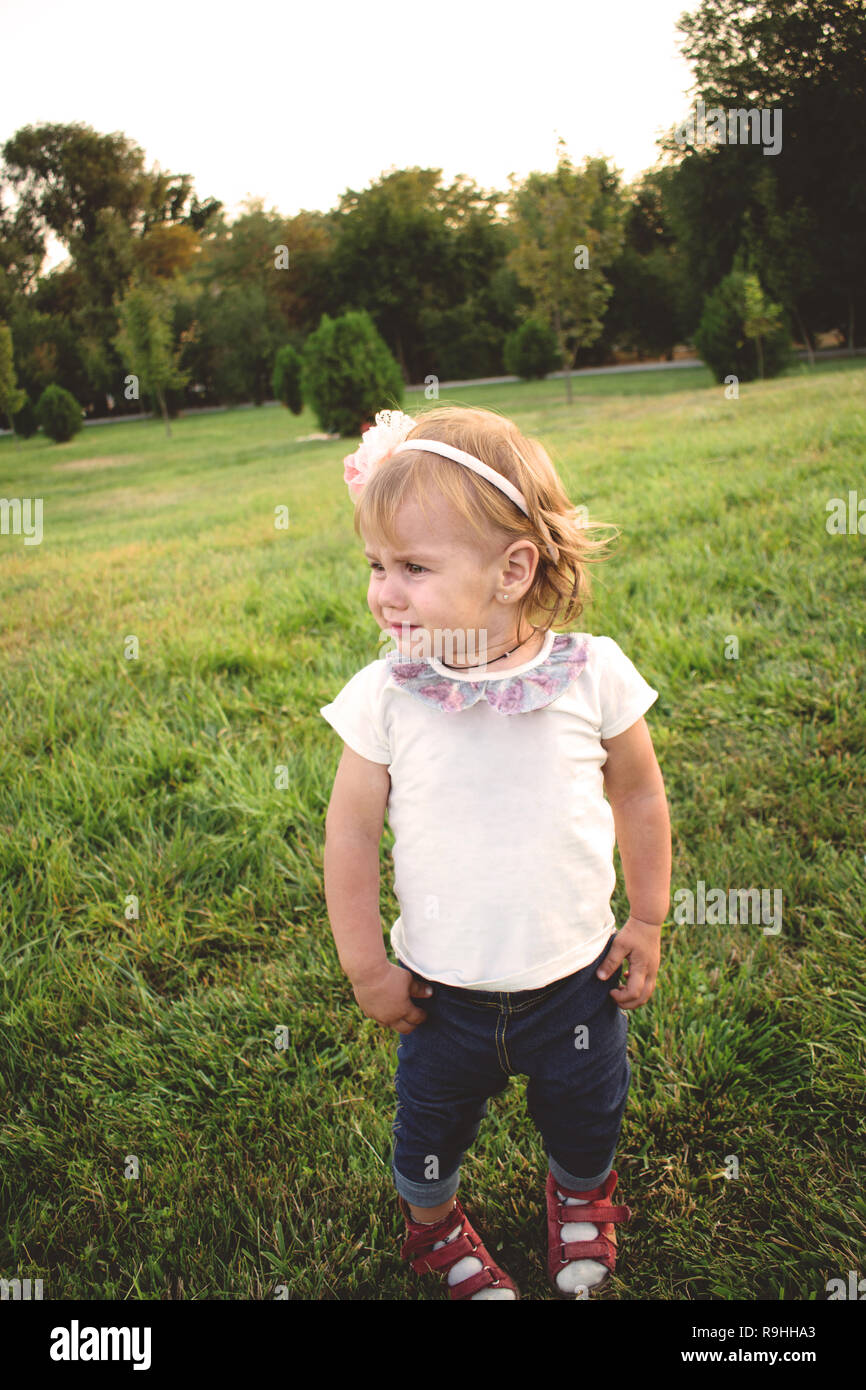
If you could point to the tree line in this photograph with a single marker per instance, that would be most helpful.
(161, 288)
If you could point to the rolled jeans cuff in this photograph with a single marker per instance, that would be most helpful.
(426, 1194)
(566, 1179)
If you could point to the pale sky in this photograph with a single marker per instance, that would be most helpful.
(297, 103)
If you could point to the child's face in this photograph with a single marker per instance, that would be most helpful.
(444, 580)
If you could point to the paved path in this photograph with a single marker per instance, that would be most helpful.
(477, 381)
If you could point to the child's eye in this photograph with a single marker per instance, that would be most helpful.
(374, 565)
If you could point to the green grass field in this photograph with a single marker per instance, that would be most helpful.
(153, 1036)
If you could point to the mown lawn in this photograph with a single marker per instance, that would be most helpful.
(161, 894)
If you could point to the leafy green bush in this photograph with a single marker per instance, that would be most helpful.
(722, 340)
(531, 350)
(59, 413)
(348, 373)
(24, 421)
(286, 379)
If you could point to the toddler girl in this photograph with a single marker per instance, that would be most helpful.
(491, 738)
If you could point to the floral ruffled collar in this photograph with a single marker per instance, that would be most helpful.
(532, 689)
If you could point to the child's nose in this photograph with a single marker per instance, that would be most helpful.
(389, 593)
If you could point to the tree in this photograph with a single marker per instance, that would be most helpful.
(348, 373)
(531, 351)
(760, 316)
(422, 259)
(67, 175)
(166, 250)
(94, 192)
(11, 398)
(145, 341)
(706, 199)
(22, 251)
(238, 334)
(25, 422)
(569, 231)
(725, 343)
(805, 59)
(47, 346)
(59, 414)
(645, 312)
(286, 379)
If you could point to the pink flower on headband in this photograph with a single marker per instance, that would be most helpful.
(379, 442)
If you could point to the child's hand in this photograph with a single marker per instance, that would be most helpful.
(386, 997)
(642, 944)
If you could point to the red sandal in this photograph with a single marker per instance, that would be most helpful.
(418, 1248)
(599, 1211)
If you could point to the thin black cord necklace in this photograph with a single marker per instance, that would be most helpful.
(489, 663)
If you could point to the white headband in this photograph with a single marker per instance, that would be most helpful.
(469, 461)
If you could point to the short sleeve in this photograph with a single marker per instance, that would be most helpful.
(624, 695)
(356, 714)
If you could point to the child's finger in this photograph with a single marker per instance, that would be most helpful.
(414, 1015)
(410, 1021)
(632, 990)
(610, 964)
(420, 988)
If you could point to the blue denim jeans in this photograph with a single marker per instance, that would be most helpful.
(569, 1037)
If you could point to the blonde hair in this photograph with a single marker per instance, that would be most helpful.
(561, 580)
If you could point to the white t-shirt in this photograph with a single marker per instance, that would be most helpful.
(503, 838)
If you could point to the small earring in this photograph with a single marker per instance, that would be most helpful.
(504, 597)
